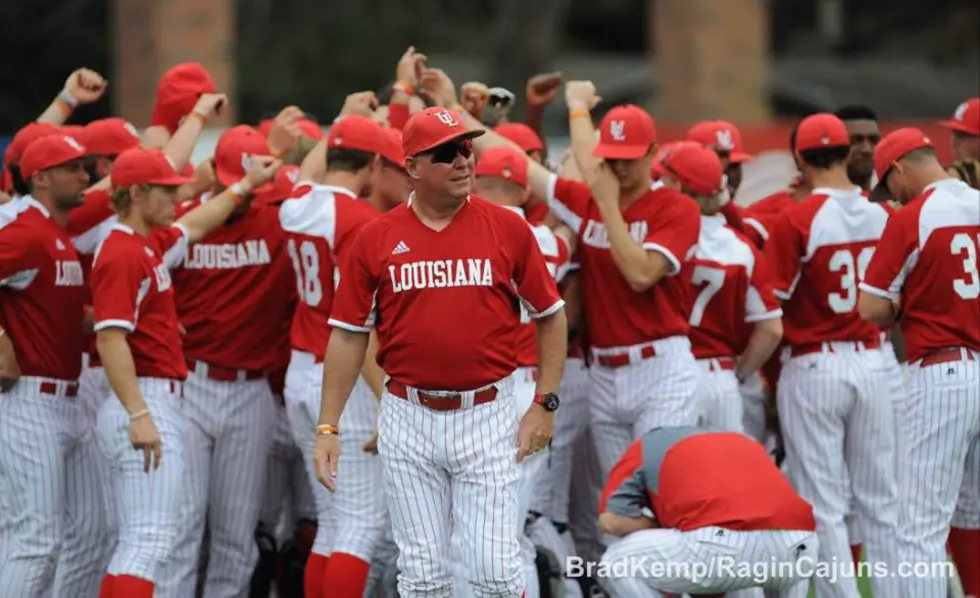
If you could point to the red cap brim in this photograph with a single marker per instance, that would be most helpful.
(620, 152)
(739, 157)
(959, 126)
(173, 181)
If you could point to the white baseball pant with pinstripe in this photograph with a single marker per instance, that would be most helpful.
(632, 400)
(453, 473)
(838, 426)
(940, 424)
(701, 561)
(147, 504)
(720, 404)
(304, 382)
(288, 497)
(583, 505)
(52, 489)
(754, 407)
(226, 444)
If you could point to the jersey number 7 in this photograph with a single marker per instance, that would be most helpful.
(712, 279)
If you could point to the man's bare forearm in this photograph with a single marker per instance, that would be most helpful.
(341, 367)
(552, 350)
(120, 369)
(640, 269)
(621, 525)
(763, 341)
(371, 371)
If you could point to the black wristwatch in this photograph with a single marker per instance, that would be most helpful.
(549, 401)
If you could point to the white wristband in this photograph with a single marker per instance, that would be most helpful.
(139, 414)
(237, 190)
(67, 98)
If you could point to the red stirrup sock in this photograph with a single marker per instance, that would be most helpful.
(313, 576)
(964, 544)
(107, 587)
(127, 586)
(346, 576)
(856, 553)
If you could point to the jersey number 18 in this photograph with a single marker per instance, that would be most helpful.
(306, 265)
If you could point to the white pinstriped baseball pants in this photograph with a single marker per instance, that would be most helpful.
(452, 473)
(940, 425)
(702, 561)
(719, 402)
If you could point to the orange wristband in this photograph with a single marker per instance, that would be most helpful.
(275, 153)
(327, 430)
(405, 87)
(579, 113)
(65, 107)
(238, 193)
(198, 116)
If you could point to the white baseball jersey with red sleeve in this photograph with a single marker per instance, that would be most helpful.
(236, 283)
(731, 289)
(320, 221)
(663, 220)
(927, 262)
(132, 290)
(556, 252)
(452, 298)
(817, 253)
(42, 293)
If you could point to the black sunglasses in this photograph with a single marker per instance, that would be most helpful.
(447, 152)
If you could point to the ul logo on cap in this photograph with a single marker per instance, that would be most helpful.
(247, 160)
(725, 139)
(617, 128)
(960, 111)
(447, 118)
(74, 144)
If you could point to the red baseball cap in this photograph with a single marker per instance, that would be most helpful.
(694, 166)
(721, 136)
(357, 133)
(109, 136)
(656, 169)
(24, 137)
(73, 131)
(625, 133)
(281, 188)
(143, 166)
(178, 91)
(393, 148)
(433, 127)
(48, 152)
(234, 152)
(966, 119)
(311, 129)
(821, 130)
(503, 162)
(521, 134)
(892, 148)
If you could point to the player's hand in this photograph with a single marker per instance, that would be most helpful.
(285, 131)
(9, 370)
(326, 453)
(410, 66)
(85, 85)
(604, 185)
(534, 433)
(210, 104)
(542, 89)
(435, 85)
(581, 95)
(262, 169)
(361, 103)
(474, 98)
(144, 437)
(371, 446)
(5, 197)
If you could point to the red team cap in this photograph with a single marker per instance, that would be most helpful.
(721, 136)
(178, 91)
(966, 119)
(109, 136)
(433, 127)
(48, 152)
(656, 168)
(142, 166)
(503, 163)
(892, 148)
(358, 133)
(522, 135)
(694, 166)
(234, 152)
(393, 148)
(625, 133)
(281, 188)
(24, 137)
(821, 130)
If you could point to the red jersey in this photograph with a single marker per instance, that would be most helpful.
(89, 225)
(731, 289)
(96, 210)
(663, 220)
(236, 283)
(42, 294)
(927, 261)
(555, 251)
(132, 290)
(535, 211)
(759, 218)
(691, 478)
(320, 221)
(446, 304)
(818, 252)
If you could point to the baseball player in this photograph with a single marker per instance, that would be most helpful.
(320, 222)
(965, 128)
(731, 290)
(451, 436)
(725, 140)
(836, 416)
(930, 243)
(501, 178)
(50, 489)
(138, 341)
(698, 497)
(237, 271)
(536, 209)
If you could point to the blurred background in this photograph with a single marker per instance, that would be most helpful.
(759, 63)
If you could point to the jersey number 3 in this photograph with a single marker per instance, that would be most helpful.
(962, 245)
(712, 280)
(306, 265)
(851, 271)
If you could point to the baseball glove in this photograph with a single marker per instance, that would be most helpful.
(967, 171)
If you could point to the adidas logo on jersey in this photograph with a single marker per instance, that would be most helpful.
(400, 248)
(59, 245)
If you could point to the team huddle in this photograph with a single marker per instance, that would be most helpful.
(410, 356)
